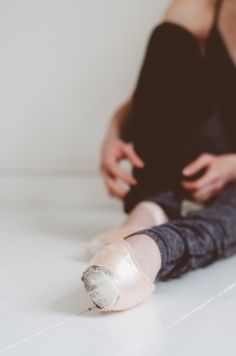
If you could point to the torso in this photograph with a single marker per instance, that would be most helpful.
(221, 61)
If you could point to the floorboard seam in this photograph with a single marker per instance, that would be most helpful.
(201, 306)
(39, 333)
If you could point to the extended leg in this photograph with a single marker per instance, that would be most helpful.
(198, 239)
(122, 273)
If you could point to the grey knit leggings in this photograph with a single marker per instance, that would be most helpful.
(198, 239)
(175, 119)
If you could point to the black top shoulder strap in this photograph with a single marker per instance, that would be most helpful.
(218, 6)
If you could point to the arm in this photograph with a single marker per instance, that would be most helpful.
(119, 117)
(115, 149)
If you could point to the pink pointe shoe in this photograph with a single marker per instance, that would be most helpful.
(114, 280)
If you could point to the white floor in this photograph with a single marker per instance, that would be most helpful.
(44, 308)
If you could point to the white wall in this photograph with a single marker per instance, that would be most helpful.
(65, 66)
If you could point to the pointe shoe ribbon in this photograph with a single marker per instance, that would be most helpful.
(114, 280)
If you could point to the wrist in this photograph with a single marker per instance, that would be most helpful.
(114, 128)
(232, 173)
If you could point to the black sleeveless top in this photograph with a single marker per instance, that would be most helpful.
(222, 72)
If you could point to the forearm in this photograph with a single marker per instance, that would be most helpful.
(119, 117)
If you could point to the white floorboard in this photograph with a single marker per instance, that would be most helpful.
(44, 308)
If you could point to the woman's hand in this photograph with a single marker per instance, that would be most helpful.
(219, 170)
(114, 150)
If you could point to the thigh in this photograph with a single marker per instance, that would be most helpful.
(172, 94)
(173, 118)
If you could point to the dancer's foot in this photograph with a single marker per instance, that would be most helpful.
(144, 215)
(148, 213)
(109, 237)
(122, 274)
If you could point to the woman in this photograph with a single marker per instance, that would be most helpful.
(178, 130)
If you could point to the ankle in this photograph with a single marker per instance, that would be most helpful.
(145, 215)
(147, 254)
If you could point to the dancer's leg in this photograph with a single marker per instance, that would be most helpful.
(126, 270)
(173, 118)
(198, 239)
(171, 101)
(181, 245)
(173, 72)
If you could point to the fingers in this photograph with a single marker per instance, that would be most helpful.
(113, 152)
(201, 162)
(206, 193)
(113, 188)
(132, 156)
(209, 177)
(110, 163)
(114, 169)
